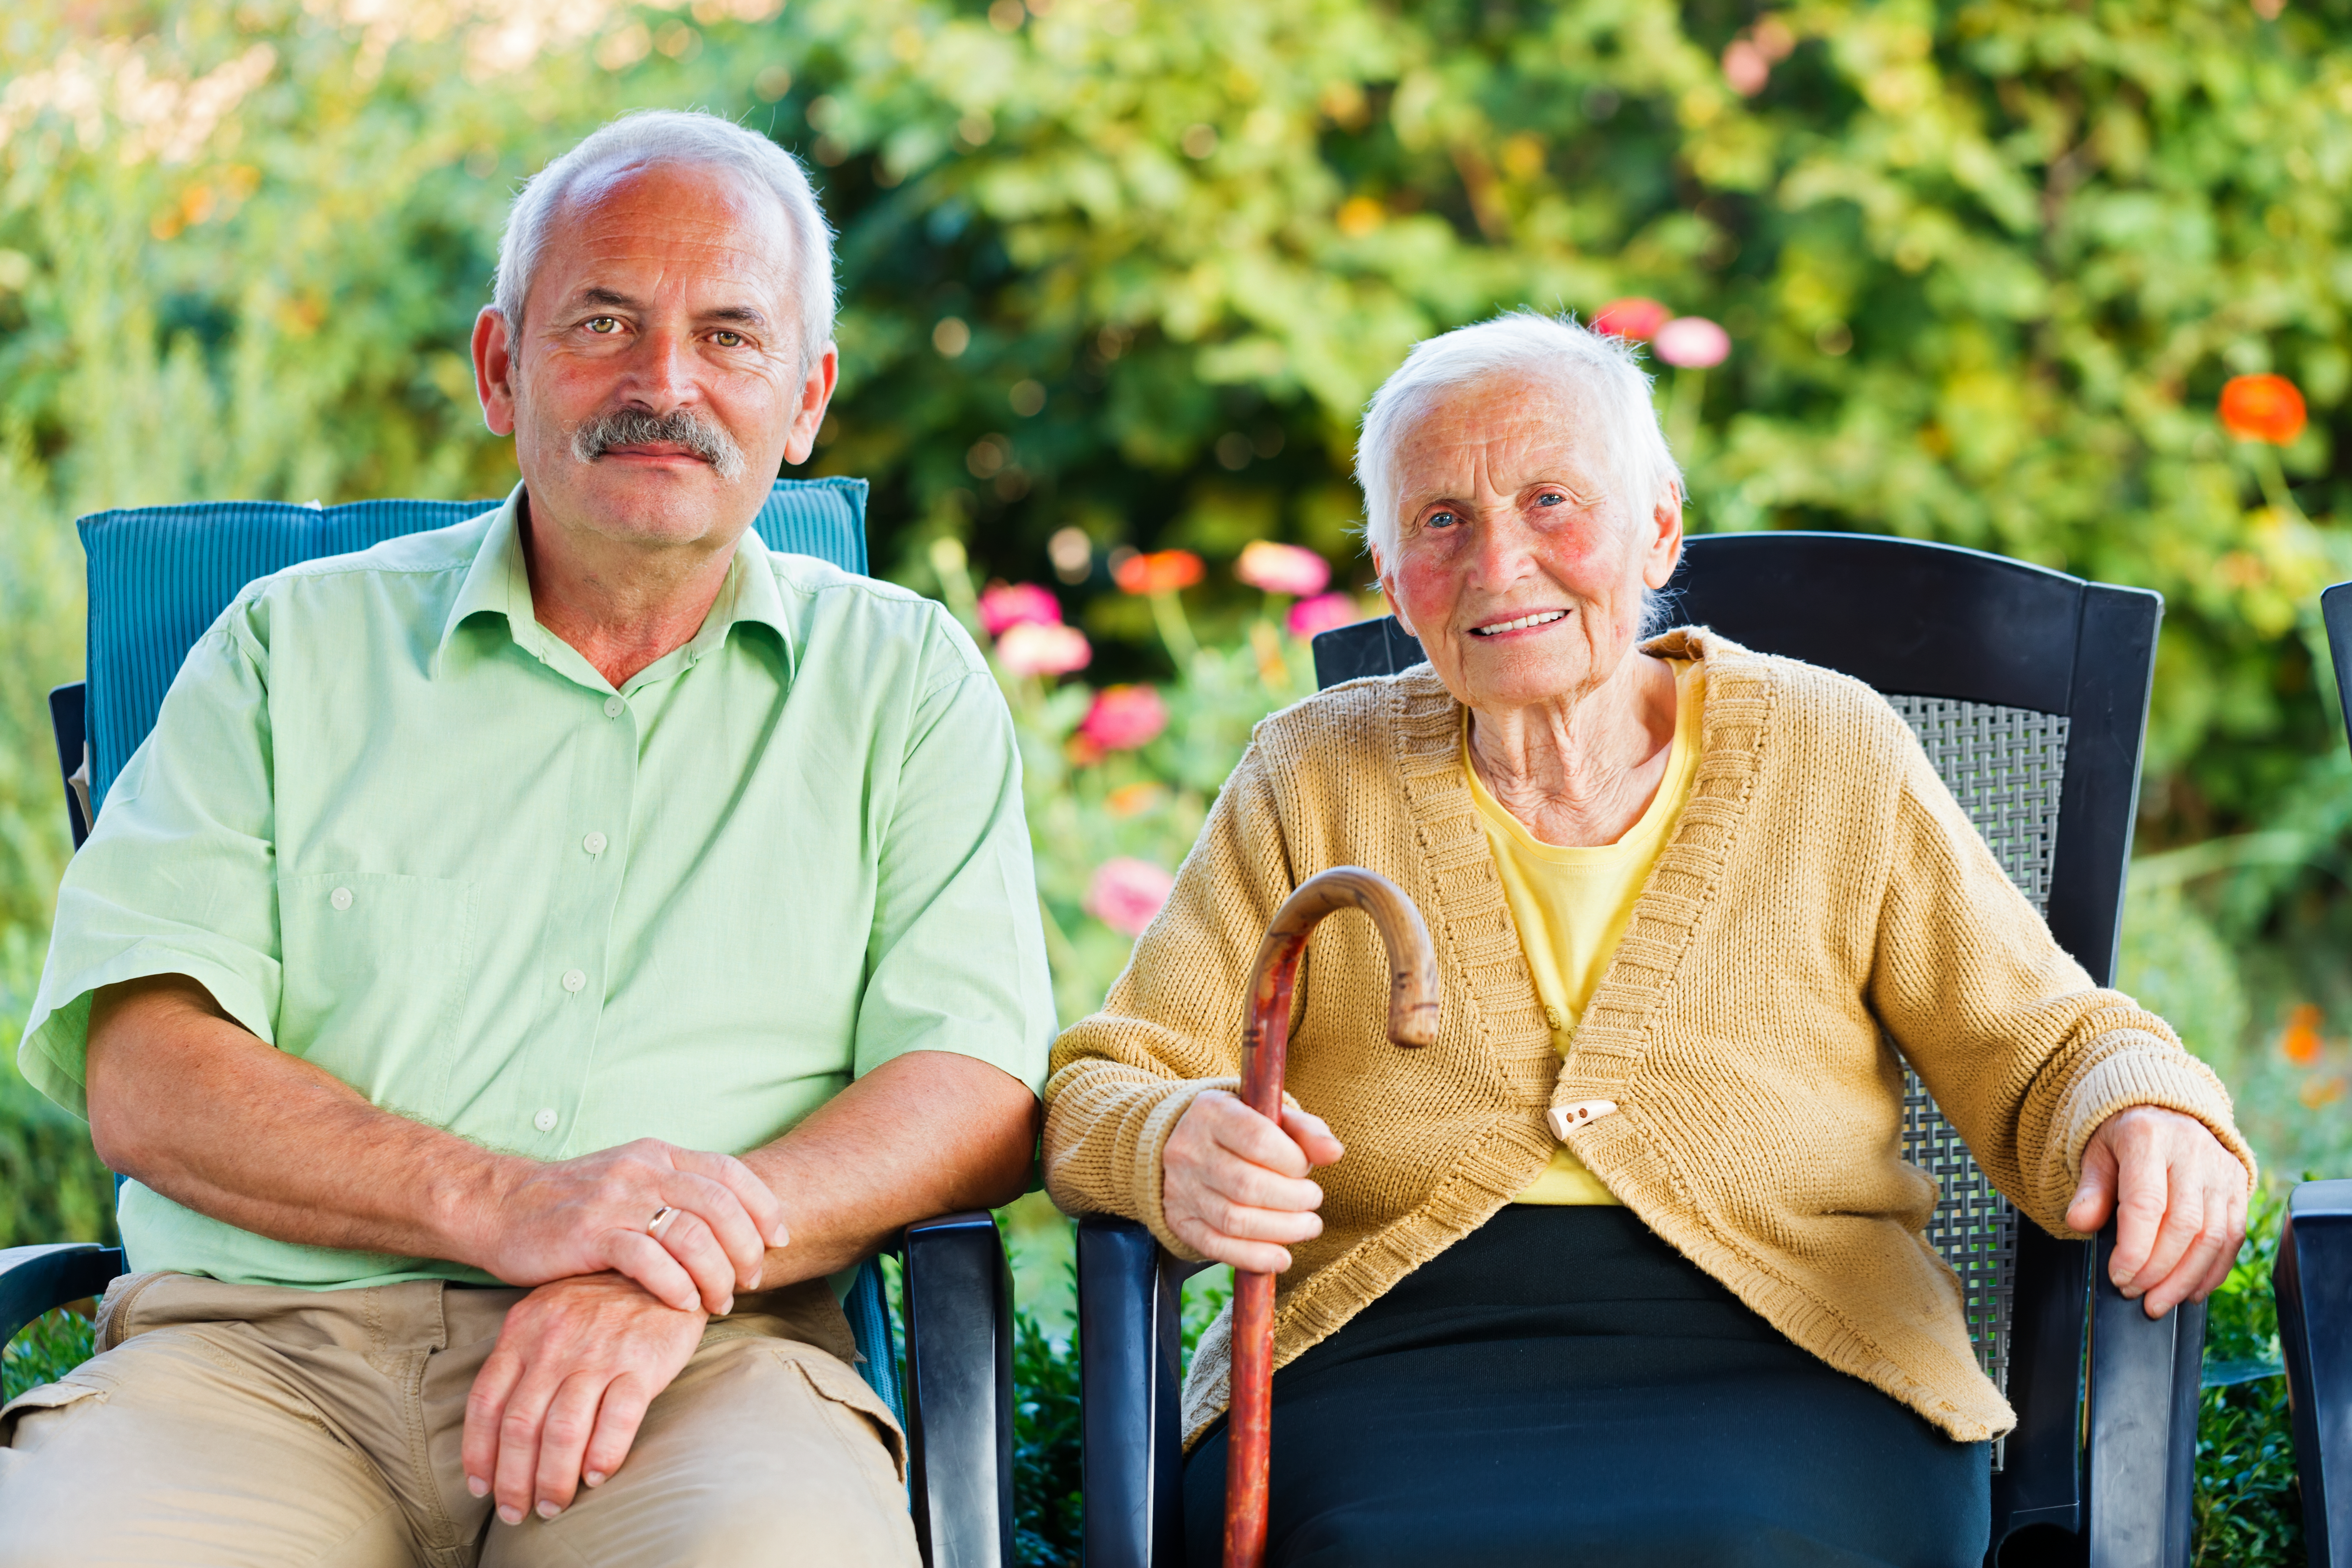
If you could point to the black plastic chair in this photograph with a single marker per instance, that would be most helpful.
(956, 1400)
(2030, 690)
(2312, 1281)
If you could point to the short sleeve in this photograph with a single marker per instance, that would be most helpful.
(956, 959)
(178, 874)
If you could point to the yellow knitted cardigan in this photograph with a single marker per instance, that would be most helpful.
(1821, 884)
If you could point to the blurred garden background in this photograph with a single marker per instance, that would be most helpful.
(1117, 279)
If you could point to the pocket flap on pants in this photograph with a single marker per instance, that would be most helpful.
(838, 1383)
(48, 1397)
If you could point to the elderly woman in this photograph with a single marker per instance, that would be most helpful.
(1628, 1267)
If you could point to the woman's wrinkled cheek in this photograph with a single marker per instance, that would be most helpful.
(1428, 589)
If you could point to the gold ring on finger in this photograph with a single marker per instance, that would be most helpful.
(662, 1217)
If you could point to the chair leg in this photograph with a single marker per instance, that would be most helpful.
(958, 1330)
(2313, 1279)
(2140, 1476)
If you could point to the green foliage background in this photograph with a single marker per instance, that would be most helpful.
(1132, 269)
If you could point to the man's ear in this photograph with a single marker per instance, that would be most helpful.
(816, 392)
(494, 370)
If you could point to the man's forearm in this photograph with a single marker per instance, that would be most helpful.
(189, 1103)
(926, 1133)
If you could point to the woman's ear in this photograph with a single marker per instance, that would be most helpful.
(1381, 571)
(1662, 549)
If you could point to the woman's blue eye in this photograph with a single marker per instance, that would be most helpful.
(1441, 519)
(1551, 497)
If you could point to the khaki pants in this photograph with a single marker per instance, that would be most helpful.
(246, 1426)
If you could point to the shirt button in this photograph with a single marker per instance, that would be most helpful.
(340, 898)
(594, 843)
(613, 706)
(573, 979)
(545, 1120)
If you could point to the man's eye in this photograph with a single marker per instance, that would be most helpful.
(604, 326)
(728, 340)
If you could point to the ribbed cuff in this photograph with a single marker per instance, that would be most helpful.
(2138, 1069)
(1151, 1175)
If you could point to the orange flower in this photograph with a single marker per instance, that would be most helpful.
(2262, 408)
(2299, 1042)
(1161, 572)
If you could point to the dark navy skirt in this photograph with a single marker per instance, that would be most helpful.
(1561, 1387)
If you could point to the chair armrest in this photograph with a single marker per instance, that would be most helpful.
(1131, 1349)
(2312, 1278)
(959, 1329)
(37, 1280)
(2140, 1472)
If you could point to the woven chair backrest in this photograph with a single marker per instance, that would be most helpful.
(2005, 765)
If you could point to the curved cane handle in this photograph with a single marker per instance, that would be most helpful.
(1265, 1037)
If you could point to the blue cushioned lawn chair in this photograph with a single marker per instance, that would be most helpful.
(158, 576)
(2029, 689)
(2313, 1280)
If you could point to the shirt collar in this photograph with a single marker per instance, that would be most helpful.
(498, 582)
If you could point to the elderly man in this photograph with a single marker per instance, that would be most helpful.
(528, 959)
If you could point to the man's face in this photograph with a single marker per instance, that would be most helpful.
(654, 387)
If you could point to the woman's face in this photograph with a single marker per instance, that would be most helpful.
(1518, 565)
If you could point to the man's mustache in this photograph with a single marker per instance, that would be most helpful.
(679, 427)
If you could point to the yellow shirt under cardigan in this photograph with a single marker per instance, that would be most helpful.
(1572, 903)
(1820, 884)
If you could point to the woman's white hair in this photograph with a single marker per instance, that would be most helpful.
(652, 136)
(1598, 371)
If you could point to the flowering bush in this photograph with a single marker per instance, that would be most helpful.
(1118, 779)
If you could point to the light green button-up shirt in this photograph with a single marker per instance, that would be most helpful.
(399, 829)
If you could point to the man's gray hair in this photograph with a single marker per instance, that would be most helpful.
(1600, 371)
(675, 136)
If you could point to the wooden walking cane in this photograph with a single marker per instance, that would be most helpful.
(1265, 1039)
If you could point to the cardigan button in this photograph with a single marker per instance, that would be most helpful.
(1583, 1113)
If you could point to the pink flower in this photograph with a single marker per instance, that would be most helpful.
(1635, 317)
(1127, 893)
(1693, 342)
(1282, 569)
(1018, 604)
(1746, 67)
(1123, 718)
(1028, 647)
(1309, 617)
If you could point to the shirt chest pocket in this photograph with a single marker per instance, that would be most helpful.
(374, 975)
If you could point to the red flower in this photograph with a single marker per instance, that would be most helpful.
(1015, 604)
(1633, 317)
(1123, 718)
(1161, 572)
(2262, 408)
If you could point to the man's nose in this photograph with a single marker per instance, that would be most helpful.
(660, 372)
